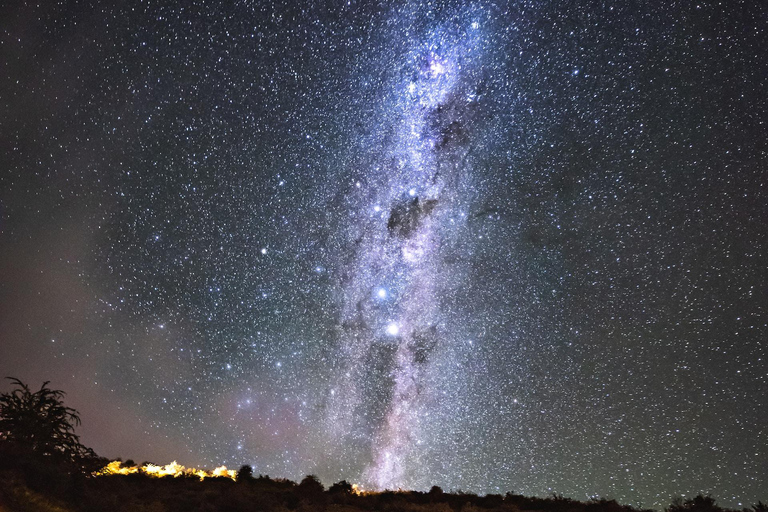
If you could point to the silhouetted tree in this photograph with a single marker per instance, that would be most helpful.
(310, 484)
(39, 422)
(760, 507)
(342, 487)
(436, 491)
(698, 504)
(245, 474)
(311, 491)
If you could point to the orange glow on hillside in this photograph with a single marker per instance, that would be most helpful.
(173, 469)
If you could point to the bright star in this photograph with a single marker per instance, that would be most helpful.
(437, 68)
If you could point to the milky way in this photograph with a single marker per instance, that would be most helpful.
(487, 246)
(414, 199)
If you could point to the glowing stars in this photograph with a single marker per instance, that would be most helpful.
(393, 329)
(379, 212)
(475, 25)
(411, 88)
(381, 293)
(411, 255)
(436, 67)
(415, 250)
(264, 251)
(412, 192)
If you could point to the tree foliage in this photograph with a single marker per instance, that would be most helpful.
(40, 423)
(698, 504)
(245, 473)
(342, 487)
(311, 490)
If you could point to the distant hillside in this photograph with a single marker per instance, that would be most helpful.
(54, 489)
(45, 468)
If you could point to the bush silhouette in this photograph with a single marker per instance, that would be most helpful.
(342, 487)
(245, 473)
(436, 491)
(310, 490)
(310, 484)
(698, 504)
(40, 423)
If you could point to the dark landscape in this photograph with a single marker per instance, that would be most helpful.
(45, 468)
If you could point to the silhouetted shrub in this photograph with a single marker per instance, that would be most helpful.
(310, 485)
(491, 501)
(245, 473)
(40, 422)
(698, 504)
(342, 487)
(311, 492)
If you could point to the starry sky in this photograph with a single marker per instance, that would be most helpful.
(492, 246)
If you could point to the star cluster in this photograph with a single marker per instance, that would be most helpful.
(488, 246)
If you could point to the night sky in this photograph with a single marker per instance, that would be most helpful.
(488, 246)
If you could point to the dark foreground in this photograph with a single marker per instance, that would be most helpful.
(48, 488)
